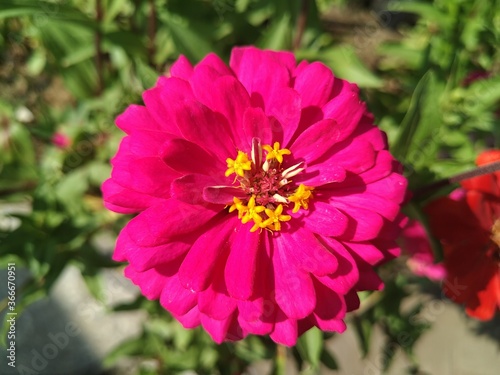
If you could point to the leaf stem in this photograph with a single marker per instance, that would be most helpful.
(301, 23)
(281, 354)
(426, 190)
(98, 47)
(151, 32)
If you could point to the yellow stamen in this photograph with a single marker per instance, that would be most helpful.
(275, 218)
(238, 205)
(275, 152)
(239, 165)
(301, 197)
(257, 223)
(252, 211)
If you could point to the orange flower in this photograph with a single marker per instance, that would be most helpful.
(468, 225)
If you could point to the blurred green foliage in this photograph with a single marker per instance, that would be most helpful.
(69, 67)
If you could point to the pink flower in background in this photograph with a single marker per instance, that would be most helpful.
(265, 195)
(60, 140)
(421, 261)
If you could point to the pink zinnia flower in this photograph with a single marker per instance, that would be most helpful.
(421, 261)
(265, 195)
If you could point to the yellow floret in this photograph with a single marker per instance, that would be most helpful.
(301, 197)
(239, 165)
(275, 218)
(275, 152)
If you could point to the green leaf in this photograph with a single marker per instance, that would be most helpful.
(72, 187)
(279, 35)
(114, 8)
(427, 12)
(78, 55)
(94, 283)
(417, 140)
(310, 346)
(186, 38)
(363, 330)
(131, 347)
(346, 64)
(252, 349)
(328, 360)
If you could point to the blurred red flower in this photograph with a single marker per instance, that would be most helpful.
(468, 226)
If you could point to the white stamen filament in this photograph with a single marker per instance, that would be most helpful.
(279, 198)
(294, 170)
(256, 152)
(265, 166)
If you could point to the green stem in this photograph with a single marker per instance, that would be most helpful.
(301, 23)
(426, 190)
(98, 48)
(281, 353)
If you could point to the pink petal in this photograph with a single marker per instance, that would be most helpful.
(149, 175)
(385, 164)
(215, 62)
(177, 299)
(286, 59)
(347, 275)
(231, 106)
(256, 124)
(144, 258)
(384, 206)
(209, 129)
(217, 329)
(189, 188)
(285, 330)
(311, 145)
(291, 282)
(366, 251)
(300, 68)
(155, 104)
(346, 108)
(123, 200)
(196, 270)
(284, 106)
(368, 132)
(215, 301)
(257, 316)
(393, 187)
(314, 84)
(161, 223)
(182, 68)
(259, 72)
(368, 278)
(142, 143)
(137, 117)
(189, 320)
(222, 194)
(323, 219)
(354, 155)
(150, 281)
(187, 157)
(352, 301)
(244, 248)
(329, 305)
(308, 253)
(362, 224)
(318, 175)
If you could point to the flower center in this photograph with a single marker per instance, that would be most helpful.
(266, 186)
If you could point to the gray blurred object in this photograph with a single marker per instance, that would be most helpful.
(387, 12)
